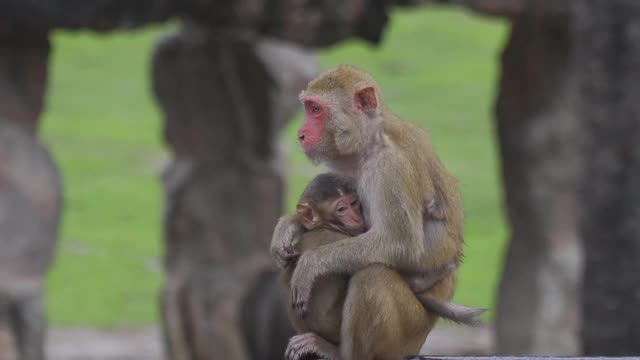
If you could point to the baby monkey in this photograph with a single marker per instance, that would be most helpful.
(376, 299)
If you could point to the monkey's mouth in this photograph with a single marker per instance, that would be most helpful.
(361, 230)
(314, 152)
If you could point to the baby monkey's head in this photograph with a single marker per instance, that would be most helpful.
(331, 201)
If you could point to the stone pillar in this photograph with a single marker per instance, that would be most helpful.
(606, 65)
(225, 96)
(538, 310)
(30, 192)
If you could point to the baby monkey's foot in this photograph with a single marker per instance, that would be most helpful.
(301, 346)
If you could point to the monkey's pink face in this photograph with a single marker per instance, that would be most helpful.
(348, 211)
(316, 116)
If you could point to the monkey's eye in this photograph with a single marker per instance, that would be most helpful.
(315, 108)
(341, 210)
(354, 203)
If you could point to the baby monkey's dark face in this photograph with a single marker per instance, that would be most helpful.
(331, 202)
(345, 213)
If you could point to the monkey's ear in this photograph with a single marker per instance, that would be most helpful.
(366, 100)
(307, 216)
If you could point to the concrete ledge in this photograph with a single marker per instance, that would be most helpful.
(429, 357)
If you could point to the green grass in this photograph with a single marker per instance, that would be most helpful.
(437, 67)
(105, 131)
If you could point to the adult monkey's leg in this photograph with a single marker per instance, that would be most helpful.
(382, 318)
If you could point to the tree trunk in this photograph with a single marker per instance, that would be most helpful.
(537, 301)
(225, 96)
(30, 193)
(606, 61)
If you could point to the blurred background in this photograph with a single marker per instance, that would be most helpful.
(147, 149)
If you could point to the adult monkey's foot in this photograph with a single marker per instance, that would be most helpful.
(302, 346)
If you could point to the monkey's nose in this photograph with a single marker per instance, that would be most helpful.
(300, 136)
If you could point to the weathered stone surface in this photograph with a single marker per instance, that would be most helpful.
(306, 22)
(264, 319)
(507, 8)
(537, 310)
(30, 194)
(279, 59)
(30, 199)
(224, 187)
(318, 23)
(7, 345)
(24, 59)
(511, 358)
(30, 205)
(44, 15)
(606, 65)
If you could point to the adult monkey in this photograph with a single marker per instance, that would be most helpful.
(413, 204)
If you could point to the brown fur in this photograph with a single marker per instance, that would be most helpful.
(374, 294)
(398, 175)
(325, 308)
(342, 311)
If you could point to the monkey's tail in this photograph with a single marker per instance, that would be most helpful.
(451, 311)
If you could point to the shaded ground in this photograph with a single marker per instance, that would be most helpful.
(145, 343)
